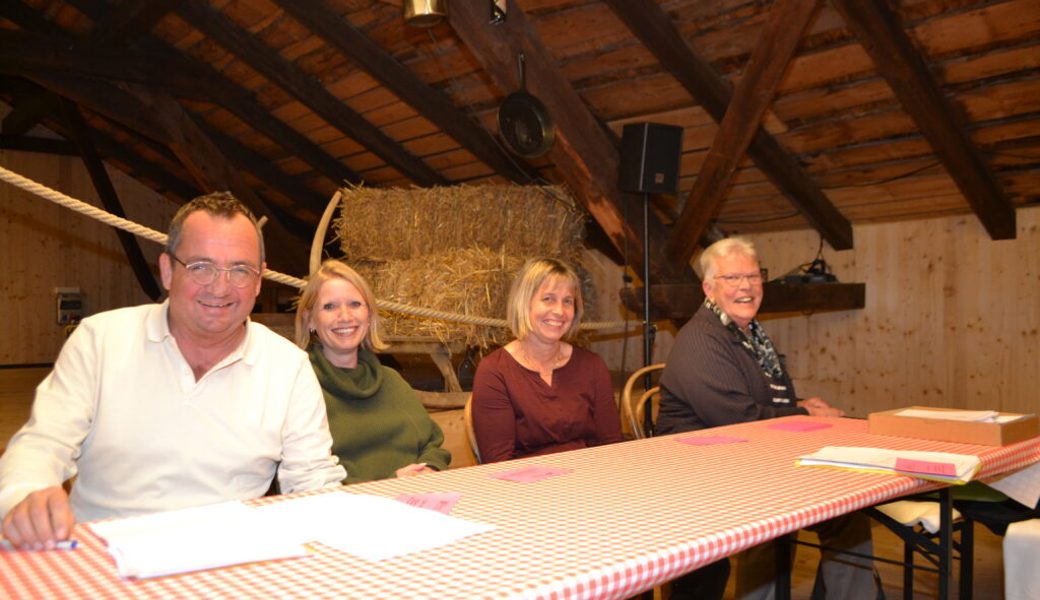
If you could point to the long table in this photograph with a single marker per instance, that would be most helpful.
(625, 518)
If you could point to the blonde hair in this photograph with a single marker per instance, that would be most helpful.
(531, 277)
(724, 247)
(334, 269)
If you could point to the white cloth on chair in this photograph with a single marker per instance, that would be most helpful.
(1021, 557)
(912, 512)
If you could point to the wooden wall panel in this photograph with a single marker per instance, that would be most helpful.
(44, 245)
(951, 317)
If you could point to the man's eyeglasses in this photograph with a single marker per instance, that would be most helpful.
(204, 272)
(733, 280)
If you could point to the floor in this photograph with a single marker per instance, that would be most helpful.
(16, 387)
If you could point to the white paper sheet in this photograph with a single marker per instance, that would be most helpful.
(192, 539)
(1022, 486)
(369, 527)
(962, 467)
(983, 416)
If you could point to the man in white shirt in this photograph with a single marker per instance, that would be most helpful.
(171, 405)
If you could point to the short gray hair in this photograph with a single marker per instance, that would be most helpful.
(724, 247)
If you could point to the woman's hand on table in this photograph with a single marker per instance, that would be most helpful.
(414, 469)
(40, 520)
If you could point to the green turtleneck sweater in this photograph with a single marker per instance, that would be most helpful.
(378, 423)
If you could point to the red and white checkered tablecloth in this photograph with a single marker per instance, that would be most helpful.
(626, 518)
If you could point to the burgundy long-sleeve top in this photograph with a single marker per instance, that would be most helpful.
(516, 414)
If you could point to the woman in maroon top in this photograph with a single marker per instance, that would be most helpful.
(539, 394)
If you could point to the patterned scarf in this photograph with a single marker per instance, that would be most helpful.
(758, 343)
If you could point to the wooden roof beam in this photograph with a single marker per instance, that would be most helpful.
(766, 67)
(119, 27)
(81, 135)
(305, 88)
(586, 155)
(428, 102)
(655, 30)
(883, 37)
(160, 117)
(215, 88)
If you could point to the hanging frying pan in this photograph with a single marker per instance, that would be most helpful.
(524, 123)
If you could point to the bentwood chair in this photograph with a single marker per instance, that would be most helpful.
(467, 414)
(635, 397)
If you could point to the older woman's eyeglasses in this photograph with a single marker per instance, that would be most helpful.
(204, 272)
(733, 279)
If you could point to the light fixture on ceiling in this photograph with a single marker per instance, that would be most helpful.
(425, 13)
(498, 12)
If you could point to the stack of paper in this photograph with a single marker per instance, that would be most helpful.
(937, 466)
(973, 416)
(192, 539)
(206, 537)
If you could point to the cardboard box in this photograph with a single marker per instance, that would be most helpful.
(945, 430)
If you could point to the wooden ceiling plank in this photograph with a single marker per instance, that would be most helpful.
(122, 25)
(216, 88)
(653, 27)
(160, 117)
(584, 153)
(81, 135)
(882, 35)
(129, 21)
(765, 68)
(427, 101)
(305, 88)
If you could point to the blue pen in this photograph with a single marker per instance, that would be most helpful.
(62, 545)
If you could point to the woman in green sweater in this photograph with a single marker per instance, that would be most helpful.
(379, 427)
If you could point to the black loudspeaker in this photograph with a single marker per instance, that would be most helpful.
(650, 155)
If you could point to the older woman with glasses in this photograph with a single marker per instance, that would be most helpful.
(723, 369)
(379, 427)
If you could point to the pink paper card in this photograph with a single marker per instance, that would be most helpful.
(441, 502)
(530, 473)
(926, 467)
(710, 440)
(799, 426)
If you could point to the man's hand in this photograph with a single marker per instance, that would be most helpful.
(817, 407)
(43, 518)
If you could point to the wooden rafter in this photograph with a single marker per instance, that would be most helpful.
(586, 155)
(162, 118)
(118, 28)
(651, 25)
(430, 103)
(882, 36)
(213, 87)
(81, 134)
(754, 94)
(221, 30)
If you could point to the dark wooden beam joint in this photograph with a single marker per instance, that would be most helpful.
(768, 62)
(648, 21)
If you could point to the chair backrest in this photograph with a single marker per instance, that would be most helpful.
(467, 413)
(633, 402)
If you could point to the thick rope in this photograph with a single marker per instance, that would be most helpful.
(160, 238)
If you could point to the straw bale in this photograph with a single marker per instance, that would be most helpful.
(473, 281)
(390, 224)
(456, 249)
